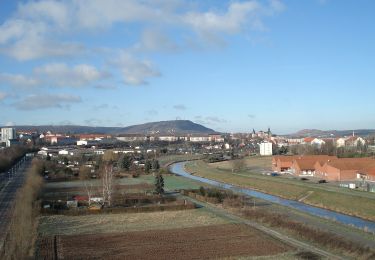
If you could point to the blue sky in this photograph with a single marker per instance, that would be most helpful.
(230, 65)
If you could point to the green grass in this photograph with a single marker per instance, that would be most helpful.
(168, 159)
(352, 204)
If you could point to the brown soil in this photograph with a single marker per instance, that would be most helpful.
(187, 243)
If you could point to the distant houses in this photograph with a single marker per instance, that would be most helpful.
(326, 167)
(195, 138)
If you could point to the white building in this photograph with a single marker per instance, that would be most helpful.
(265, 149)
(168, 138)
(340, 142)
(7, 134)
(81, 142)
(199, 139)
(318, 142)
(64, 152)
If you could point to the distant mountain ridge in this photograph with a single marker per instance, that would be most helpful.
(332, 133)
(161, 127)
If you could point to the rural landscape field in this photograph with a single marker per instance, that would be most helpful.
(187, 129)
(182, 234)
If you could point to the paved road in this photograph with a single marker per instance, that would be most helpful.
(7, 195)
(272, 233)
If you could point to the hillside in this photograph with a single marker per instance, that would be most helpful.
(162, 127)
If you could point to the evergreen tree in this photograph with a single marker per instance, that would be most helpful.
(159, 184)
(155, 165)
(148, 166)
(125, 162)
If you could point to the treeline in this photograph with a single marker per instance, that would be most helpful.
(10, 155)
(326, 149)
(22, 234)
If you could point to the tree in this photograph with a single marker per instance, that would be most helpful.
(109, 156)
(125, 162)
(84, 173)
(159, 184)
(66, 160)
(107, 184)
(148, 166)
(238, 165)
(155, 165)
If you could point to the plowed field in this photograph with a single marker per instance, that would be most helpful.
(186, 243)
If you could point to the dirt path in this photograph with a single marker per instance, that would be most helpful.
(309, 193)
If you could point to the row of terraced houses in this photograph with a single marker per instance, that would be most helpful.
(326, 167)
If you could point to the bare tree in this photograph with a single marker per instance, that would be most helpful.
(107, 184)
(84, 175)
(238, 165)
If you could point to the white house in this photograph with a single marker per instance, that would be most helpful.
(81, 142)
(64, 152)
(317, 142)
(265, 149)
(340, 142)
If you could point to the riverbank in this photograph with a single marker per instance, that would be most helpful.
(332, 200)
(368, 226)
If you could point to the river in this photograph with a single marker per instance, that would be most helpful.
(178, 169)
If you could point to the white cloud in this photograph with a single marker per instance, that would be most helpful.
(56, 75)
(155, 40)
(239, 17)
(59, 74)
(51, 11)
(38, 28)
(230, 21)
(18, 80)
(134, 71)
(41, 29)
(34, 102)
(33, 47)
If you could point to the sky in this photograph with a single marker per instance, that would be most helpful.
(229, 65)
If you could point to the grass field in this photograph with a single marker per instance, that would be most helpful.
(167, 159)
(215, 241)
(341, 201)
(108, 223)
(252, 164)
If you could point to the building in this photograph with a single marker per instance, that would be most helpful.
(132, 138)
(282, 163)
(306, 165)
(168, 138)
(347, 169)
(7, 133)
(197, 139)
(265, 149)
(299, 164)
(217, 138)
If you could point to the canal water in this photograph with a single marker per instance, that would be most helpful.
(178, 169)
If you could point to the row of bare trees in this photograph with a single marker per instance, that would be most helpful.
(10, 155)
(23, 228)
